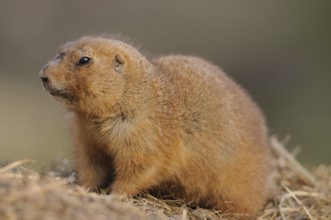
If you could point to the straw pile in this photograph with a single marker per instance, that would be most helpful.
(301, 193)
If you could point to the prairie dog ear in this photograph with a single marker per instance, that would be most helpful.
(118, 62)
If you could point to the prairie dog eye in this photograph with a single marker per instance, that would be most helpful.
(83, 61)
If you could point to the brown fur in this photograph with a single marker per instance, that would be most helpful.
(174, 123)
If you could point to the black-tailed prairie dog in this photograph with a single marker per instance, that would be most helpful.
(174, 123)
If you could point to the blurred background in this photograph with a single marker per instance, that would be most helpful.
(280, 51)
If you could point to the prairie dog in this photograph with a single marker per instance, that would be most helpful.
(174, 123)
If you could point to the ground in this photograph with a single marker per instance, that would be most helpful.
(301, 193)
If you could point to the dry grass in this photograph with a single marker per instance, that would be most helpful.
(25, 194)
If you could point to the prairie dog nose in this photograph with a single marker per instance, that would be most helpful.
(42, 74)
(44, 79)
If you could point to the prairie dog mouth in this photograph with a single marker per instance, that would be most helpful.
(59, 93)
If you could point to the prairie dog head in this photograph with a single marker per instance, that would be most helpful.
(90, 74)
